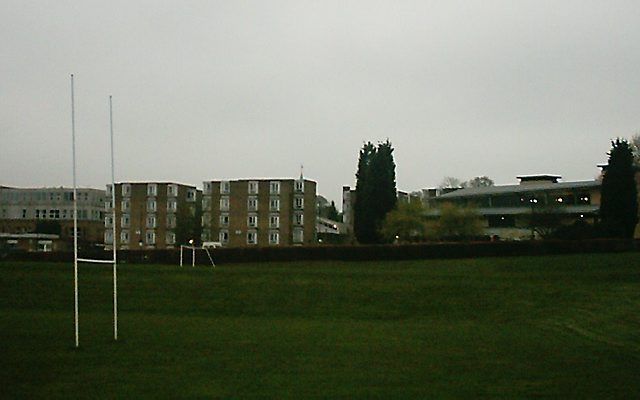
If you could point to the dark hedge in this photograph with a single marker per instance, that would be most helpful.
(349, 252)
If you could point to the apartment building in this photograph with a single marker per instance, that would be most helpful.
(27, 210)
(259, 212)
(151, 215)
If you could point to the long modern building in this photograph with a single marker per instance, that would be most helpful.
(259, 212)
(27, 210)
(507, 210)
(150, 215)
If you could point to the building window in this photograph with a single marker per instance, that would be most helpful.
(191, 195)
(206, 187)
(171, 238)
(125, 205)
(206, 203)
(109, 189)
(171, 221)
(124, 237)
(107, 205)
(151, 205)
(151, 221)
(224, 203)
(274, 204)
(172, 205)
(223, 237)
(252, 221)
(126, 190)
(299, 186)
(298, 202)
(24, 213)
(274, 237)
(225, 187)
(501, 221)
(125, 220)
(172, 190)
(108, 237)
(206, 220)
(252, 204)
(108, 222)
(224, 220)
(252, 237)
(274, 221)
(298, 219)
(298, 235)
(253, 187)
(274, 187)
(151, 237)
(54, 214)
(152, 189)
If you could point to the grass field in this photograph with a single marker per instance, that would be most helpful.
(558, 326)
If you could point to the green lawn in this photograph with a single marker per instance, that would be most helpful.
(558, 326)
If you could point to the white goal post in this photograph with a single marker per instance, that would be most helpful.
(77, 260)
(205, 247)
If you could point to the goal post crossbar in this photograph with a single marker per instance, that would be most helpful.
(91, 261)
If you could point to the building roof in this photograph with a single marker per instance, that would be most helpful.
(261, 179)
(515, 189)
(29, 236)
(156, 182)
(50, 188)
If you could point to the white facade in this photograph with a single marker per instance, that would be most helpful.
(51, 203)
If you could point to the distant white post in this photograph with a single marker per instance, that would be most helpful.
(75, 216)
(75, 225)
(113, 207)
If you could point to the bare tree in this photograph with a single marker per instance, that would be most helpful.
(635, 146)
(479, 181)
(449, 182)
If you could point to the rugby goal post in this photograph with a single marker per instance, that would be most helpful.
(76, 259)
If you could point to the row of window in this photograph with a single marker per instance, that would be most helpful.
(30, 195)
(150, 237)
(151, 221)
(252, 203)
(63, 214)
(172, 204)
(152, 205)
(152, 190)
(252, 220)
(252, 236)
(252, 187)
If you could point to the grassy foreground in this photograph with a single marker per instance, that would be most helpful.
(558, 326)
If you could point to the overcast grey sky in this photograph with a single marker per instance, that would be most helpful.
(237, 89)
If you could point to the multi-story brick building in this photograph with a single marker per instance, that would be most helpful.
(259, 212)
(27, 210)
(151, 215)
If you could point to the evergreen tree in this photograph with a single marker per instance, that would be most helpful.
(384, 185)
(375, 190)
(363, 222)
(619, 203)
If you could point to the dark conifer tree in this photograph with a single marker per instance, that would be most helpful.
(364, 226)
(375, 190)
(619, 203)
(384, 185)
